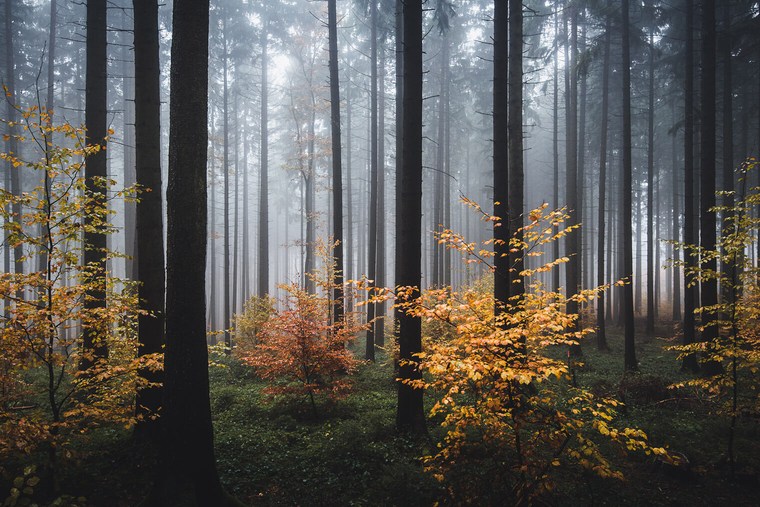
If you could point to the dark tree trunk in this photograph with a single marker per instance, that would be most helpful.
(651, 240)
(150, 221)
(676, 236)
(515, 132)
(372, 212)
(630, 350)
(707, 221)
(601, 333)
(581, 154)
(187, 475)
(263, 278)
(93, 347)
(689, 227)
(337, 178)
(410, 417)
(380, 270)
(12, 175)
(555, 147)
(728, 293)
(226, 180)
(245, 274)
(501, 288)
(572, 241)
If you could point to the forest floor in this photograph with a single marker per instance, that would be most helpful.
(280, 453)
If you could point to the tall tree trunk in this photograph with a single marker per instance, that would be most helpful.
(380, 270)
(707, 220)
(12, 174)
(94, 348)
(601, 332)
(263, 278)
(515, 132)
(128, 116)
(245, 245)
(212, 310)
(583, 261)
(572, 241)
(650, 196)
(676, 236)
(187, 474)
(689, 228)
(235, 205)
(226, 180)
(555, 147)
(373, 162)
(501, 288)
(349, 191)
(410, 417)
(337, 178)
(727, 290)
(398, 27)
(149, 210)
(630, 350)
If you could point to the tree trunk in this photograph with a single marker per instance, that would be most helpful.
(501, 288)
(94, 348)
(410, 417)
(630, 350)
(707, 221)
(601, 333)
(373, 162)
(689, 228)
(337, 178)
(187, 475)
(149, 210)
(380, 270)
(515, 133)
(226, 182)
(555, 147)
(675, 251)
(650, 196)
(263, 278)
(572, 240)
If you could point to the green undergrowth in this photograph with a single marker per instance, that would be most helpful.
(274, 451)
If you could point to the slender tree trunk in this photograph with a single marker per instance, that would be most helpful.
(650, 197)
(245, 244)
(380, 270)
(501, 288)
(349, 191)
(601, 332)
(12, 174)
(515, 132)
(337, 178)
(410, 417)
(583, 262)
(373, 162)
(676, 236)
(630, 350)
(187, 474)
(263, 264)
(212, 310)
(555, 146)
(707, 220)
(572, 241)
(94, 347)
(689, 236)
(236, 207)
(149, 210)
(226, 180)
(727, 268)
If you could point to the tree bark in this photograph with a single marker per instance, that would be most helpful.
(515, 133)
(689, 228)
(410, 417)
(263, 278)
(601, 331)
(630, 350)
(650, 196)
(149, 210)
(94, 348)
(337, 178)
(187, 474)
(501, 287)
(369, 353)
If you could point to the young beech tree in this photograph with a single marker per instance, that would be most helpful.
(510, 412)
(45, 321)
(734, 351)
(299, 352)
